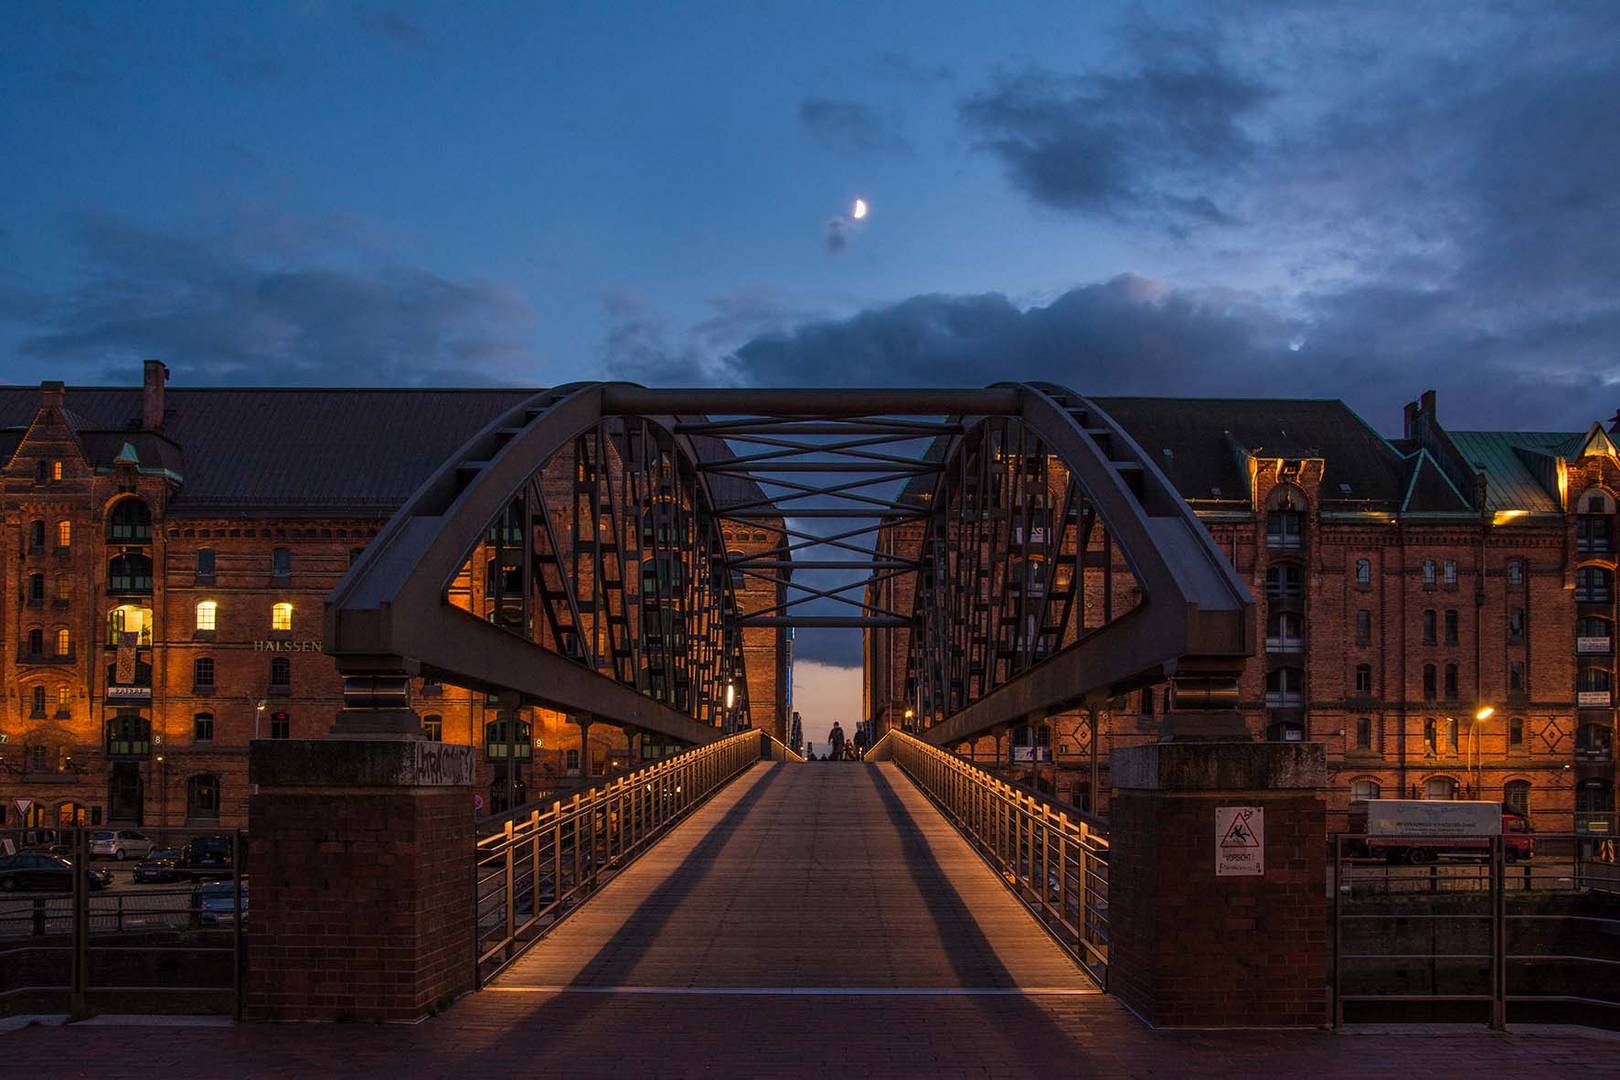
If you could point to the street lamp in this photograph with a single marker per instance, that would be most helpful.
(1483, 713)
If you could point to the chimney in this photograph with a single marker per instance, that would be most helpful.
(51, 394)
(1426, 405)
(156, 374)
(1411, 419)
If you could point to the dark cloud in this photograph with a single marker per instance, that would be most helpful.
(850, 127)
(1145, 141)
(275, 300)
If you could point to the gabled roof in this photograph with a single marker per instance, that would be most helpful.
(1518, 466)
(1362, 470)
(1430, 491)
(332, 450)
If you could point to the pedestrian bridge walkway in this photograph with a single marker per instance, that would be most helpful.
(808, 880)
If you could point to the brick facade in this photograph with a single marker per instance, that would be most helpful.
(1461, 553)
(218, 499)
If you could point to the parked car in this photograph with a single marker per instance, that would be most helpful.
(214, 904)
(120, 844)
(38, 872)
(208, 857)
(160, 864)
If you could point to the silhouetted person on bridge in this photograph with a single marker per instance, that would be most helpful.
(836, 737)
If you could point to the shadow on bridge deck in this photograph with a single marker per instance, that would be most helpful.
(804, 879)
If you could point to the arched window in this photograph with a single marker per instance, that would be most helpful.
(1516, 733)
(1285, 519)
(64, 641)
(1451, 626)
(1364, 733)
(205, 564)
(1515, 573)
(36, 642)
(281, 562)
(129, 735)
(1594, 739)
(129, 522)
(207, 615)
(1366, 789)
(36, 535)
(1594, 585)
(129, 619)
(1364, 572)
(36, 703)
(1516, 796)
(497, 740)
(36, 589)
(202, 797)
(64, 701)
(1285, 632)
(130, 575)
(64, 534)
(1451, 682)
(1363, 627)
(1430, 686)
(56, 470)
(1453, 734)
(280, 725)
(1594, 525)
(1594, 797)
(1440, 788)
(1430, 627)
(1428, 572)
(281, 616)
(42, 471)
(202, 727)
(64, 588)
(1431, 736)
(1284, 581)
(1594, 679)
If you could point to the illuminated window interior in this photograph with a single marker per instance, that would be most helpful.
(207, 614)
(129, 619)
(281, 616)
(64, 534)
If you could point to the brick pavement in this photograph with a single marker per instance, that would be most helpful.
(731, 949)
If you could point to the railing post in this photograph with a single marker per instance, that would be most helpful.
(1499, 933)
(509, 866)
(81, 921)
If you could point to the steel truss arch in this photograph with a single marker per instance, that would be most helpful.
(1059, 565)
(616, 606)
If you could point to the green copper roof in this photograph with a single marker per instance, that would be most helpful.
(1511, 459)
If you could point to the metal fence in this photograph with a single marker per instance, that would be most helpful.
(121, 919)
(1481, 929)
(1053, 857)
(537, 864)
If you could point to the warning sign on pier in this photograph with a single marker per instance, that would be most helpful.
(1240, 841)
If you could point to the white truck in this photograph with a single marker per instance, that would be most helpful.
(1418, 831)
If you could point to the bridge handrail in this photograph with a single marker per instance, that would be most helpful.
(1054, 858)
(534, 867)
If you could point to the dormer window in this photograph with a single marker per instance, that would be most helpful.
(1285, 520)
(1594, 525)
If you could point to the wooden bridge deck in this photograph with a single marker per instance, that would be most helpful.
(804, 879)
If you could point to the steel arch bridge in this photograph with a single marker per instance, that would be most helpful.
(571, 556)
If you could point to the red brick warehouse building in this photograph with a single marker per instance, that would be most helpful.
(1402, 585)
(172, 549)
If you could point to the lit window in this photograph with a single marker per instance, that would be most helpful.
(56, 470)
(64, 534)
(64, 587)
(129, 619)
(64, 697)
(64, 642)
(281, 616)
(207, 615)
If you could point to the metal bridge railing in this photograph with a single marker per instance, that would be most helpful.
(1053, 857)
(536, 865)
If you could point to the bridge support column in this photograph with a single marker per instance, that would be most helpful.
(584, 720)
(361, 858)
(1194, 944)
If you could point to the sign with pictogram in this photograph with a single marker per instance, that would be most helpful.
(1240, 841)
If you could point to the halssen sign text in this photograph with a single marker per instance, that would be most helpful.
(286, 646)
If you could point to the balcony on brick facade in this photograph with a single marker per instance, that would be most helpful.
(1284, 633)
(1594, 742)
